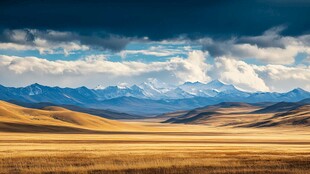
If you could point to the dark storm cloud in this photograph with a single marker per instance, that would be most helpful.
(270, 38)
(158, 19)
(98, 41)
(112, 42)
(271, 43)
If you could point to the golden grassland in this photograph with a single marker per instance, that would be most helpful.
(14, 118)
(56, 140)
(168, 148)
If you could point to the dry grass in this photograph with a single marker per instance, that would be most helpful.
(161, 162)
(15, 118)
(62, 141)
(191, 149)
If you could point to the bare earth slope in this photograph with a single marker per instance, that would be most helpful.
(296, 117)
(216, 115)
(15, 118)
(244, 115)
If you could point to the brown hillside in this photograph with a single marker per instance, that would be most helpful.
(20, 119)
(242, 115)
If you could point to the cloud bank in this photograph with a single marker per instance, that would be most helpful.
(270, 47)
(95, 70)
(52, 42)
(159, 19)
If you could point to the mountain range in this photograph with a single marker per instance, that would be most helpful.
(148, 98)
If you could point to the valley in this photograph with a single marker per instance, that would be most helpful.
(154, 87)
(58, 140)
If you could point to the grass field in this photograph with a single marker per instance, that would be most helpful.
(168, 148)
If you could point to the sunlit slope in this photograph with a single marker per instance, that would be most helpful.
(245, 115)
(227, 113)
(17, 118)
(296, 117)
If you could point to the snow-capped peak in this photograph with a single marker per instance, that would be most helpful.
(193, 83)
(119, 86)
(35, 89)
(156, 89)
(122, 86)
(99, 87)
(215, 84)
(206, 90)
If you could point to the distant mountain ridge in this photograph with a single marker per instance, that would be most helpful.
(147, 98)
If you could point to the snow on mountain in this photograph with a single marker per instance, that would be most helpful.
(149, 97)
(214, 91)
(219, 86)
(99, 87)
(149, 90)
(193, 88)
(117, 91)
(121, 90)
(155, 89)
(215, 84)
(34, 89)
(297, 94)
(178, 93)
(210, 89)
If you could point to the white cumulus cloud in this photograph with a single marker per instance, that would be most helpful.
(238, 73)
(94, 70)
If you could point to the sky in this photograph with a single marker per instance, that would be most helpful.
(260, 45)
